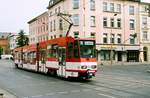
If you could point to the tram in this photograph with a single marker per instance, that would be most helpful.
(65, 57)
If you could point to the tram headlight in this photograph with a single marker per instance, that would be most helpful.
(83, 67)
(93, 66)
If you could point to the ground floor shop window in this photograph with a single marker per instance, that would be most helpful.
(133, 56)
(106, 55)
(145, 53)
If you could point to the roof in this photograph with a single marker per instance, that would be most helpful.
(34, 19)
(53, 3)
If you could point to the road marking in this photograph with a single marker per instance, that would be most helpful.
(50, 94)
(63, 92)
(106, 95)
(86, 90)
(37, 96)
(75, 91)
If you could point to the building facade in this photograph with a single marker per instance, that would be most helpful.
(145, 31)
(12, 41)
(113, 23)
(38, 28)
(4, 43)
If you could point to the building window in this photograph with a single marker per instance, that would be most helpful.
(112, 22)
(50, 14)
(92, 34)
(119, 8)
(54, 25)
(119, 38)
(92, 4)
(105, 38)
(104, 6)
(75, 19)
(75, 4)
(51, 26)
(144, 8)
(76, 34)
(60, 35)
(93, 21)
(60, 24)
(132, 24)
(54, 36)
(47, 27)
(56, 11)
(119, 23)
(145, 35)
(132, 39)
(144, 21)
(112, 7)
(106, 55)
(105, 22)
(59, 9)
(112, 38)
(131, 10)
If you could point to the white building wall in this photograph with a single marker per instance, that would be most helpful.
(85, 28)
(144, 28)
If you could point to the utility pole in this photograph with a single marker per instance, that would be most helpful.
(111, 42)
(84, 17)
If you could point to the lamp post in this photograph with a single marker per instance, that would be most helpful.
(111, 51)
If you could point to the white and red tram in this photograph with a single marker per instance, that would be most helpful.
(65, 57)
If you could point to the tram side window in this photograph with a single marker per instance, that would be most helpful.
(43, 56)
(49, 53)
(32, 57)
(25, 58)
(28, 58)
(19, 56)
(52, 52)
(76, 49)
(70, 49)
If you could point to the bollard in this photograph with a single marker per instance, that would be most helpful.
(1, 95)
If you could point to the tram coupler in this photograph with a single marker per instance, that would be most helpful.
(90, 74)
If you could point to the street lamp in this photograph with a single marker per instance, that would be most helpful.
(111, 51)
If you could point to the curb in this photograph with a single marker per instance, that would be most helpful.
(6, 94)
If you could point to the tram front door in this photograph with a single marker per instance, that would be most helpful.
(62, 61)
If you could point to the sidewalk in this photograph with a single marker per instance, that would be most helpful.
(123, 63)
(5, 94)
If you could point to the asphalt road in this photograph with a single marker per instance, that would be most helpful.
(120, 81)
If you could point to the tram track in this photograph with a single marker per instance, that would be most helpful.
(118, 86)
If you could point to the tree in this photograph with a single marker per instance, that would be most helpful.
(1, 50)
(22, 39)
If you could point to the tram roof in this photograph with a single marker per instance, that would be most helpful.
(62, 41)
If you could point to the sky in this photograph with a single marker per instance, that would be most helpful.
(14, 14)
(148, 1)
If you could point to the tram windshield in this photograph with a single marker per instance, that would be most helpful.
(87, 49)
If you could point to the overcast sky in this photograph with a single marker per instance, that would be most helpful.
(14, 14)
(148, 1)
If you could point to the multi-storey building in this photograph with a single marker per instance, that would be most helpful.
(145, 31)
(4, 43)
(114, 24)
(38, 28)
(13, 41)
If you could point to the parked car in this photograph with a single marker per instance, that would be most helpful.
(7, 57)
